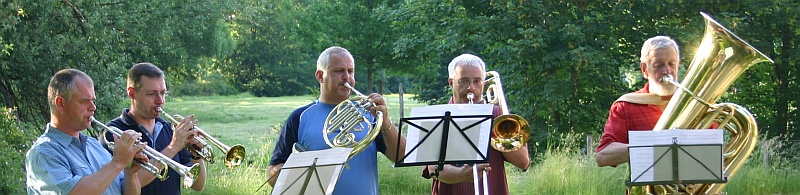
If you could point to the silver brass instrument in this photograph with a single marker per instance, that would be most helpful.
(510, 131)
(187, 173)
(475, 175)
(233, 155)
(349, 117)
(720, 59)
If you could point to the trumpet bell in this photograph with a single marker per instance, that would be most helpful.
(234, 156)
(511, 132)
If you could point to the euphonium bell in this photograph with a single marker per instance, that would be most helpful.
(510, 131)
(348, 117)
(720, 59)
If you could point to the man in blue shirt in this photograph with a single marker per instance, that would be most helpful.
(147, 90)
(304, 126)
(65, 161)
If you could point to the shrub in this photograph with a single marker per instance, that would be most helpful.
(14, 143)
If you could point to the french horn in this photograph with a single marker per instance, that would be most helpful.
(348, 118)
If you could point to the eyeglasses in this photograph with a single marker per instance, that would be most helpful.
(467, 82)
(153, 94)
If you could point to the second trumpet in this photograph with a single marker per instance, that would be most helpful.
(234, 155)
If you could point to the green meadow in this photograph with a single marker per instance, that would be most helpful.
(255, 123)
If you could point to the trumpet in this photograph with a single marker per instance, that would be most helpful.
(188, 173)
(234, 155)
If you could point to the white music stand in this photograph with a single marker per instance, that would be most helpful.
(447, 134)
(676, 157)
(311, 172)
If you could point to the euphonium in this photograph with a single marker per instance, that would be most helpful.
(720, 59)
(188, 173)
(510, 131)
(348, 117)
(233, 155)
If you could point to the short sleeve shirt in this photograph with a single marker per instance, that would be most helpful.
(57, 162)
(626, 116)
(304, 126)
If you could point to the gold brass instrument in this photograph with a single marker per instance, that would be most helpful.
(187, 173)
(720, 59)
(511, 131)
(349, 117)
(233, 155)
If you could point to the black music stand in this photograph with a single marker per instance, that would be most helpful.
(676, 162)
(311, 172)
(447, 134)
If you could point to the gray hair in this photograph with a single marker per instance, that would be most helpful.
(63, 84)
(142, 69)
(324, 60)
(657, 42)
(468, 60)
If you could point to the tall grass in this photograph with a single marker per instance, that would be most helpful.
(255, 123)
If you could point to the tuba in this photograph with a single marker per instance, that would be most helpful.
(188, 173)
(720, 59)
(510, 131)
(233, 155)
(349, 117)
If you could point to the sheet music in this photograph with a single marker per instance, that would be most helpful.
(683, 136)
(324, 157)
(641, 158)
(458, 147)
(321, 180)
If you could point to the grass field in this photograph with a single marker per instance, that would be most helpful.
(255, 123)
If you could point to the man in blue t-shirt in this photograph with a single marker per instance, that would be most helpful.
(304, 126)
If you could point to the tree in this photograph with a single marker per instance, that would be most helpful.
(102, 38)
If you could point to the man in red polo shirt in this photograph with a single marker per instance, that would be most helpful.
(467, 73)
(640, 110)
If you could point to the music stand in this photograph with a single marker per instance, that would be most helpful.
(311, 172)
(447, 134)
(675, 157)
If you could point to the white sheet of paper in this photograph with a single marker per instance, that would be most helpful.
(642, 158)
(329, 163)
(458, 147)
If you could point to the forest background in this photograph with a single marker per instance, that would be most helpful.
(563, 62)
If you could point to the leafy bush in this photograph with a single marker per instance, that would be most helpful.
(213, 85)
(14, 143)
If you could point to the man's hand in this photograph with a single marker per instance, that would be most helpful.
(379, 104)
(138, 157)
(468, 176)
(125, 147)
(183, 132)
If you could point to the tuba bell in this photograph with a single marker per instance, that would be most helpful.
(510, 131)
(720, 59)
(348, 117)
